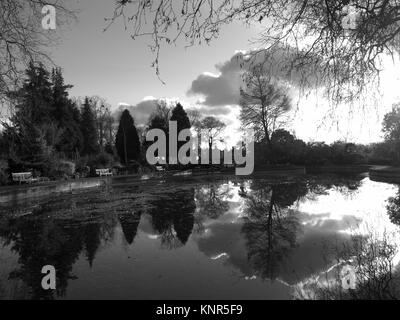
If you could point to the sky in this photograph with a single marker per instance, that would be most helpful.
(112, 65)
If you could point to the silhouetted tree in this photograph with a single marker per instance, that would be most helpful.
(30, 133)
(212, 128)
(194, 117)
(66, 116)
(127, 139)
(179, 115)
(391, 128)
(104, 120)
(88, 129)
(34, 99)
(263, 104)
(23, 37)
(159, 119)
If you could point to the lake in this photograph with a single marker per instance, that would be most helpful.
(190, 238)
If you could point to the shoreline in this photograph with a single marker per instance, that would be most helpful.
(16, 193)
(385, 174)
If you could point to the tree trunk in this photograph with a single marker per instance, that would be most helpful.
(210, 143)
(125, 153)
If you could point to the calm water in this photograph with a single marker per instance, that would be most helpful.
(246, 239)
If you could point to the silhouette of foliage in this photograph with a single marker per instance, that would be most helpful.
(127, 139)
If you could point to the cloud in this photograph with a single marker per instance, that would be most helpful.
(140, 112)
(216, 91)
(221, 89)
(216, 111)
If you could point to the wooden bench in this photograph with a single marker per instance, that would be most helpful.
(103, 172)
(23, 177)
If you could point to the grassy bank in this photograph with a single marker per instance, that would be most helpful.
(20, 192)
(385, 174)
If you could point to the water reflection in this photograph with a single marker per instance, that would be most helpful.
(129, 223)
(246, 231)
(43, 238)
(212, 200)
(172, 217)
(270, 227)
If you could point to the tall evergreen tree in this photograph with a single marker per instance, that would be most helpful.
(29, 146)
(61, 103)
(34, 99)
(157, 121)
(127, 139)
(179, 115)
(65, 115)
(182, 120)
(88, 129)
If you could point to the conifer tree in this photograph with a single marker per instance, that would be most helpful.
(182, 120)
(127, 140)
(65, 115)
(88, 129)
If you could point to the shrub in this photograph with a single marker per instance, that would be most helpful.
(66, 167)
(81, 164)
(101, 160)
(4, 173)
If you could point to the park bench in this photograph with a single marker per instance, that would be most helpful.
(23, 177)
(103, 172)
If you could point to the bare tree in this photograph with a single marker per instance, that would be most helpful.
(163, 111)
(344, 39)
(212, 129)
(22, 38)
(194, 117)
(106, 124)
(104, 120)
(264, 105)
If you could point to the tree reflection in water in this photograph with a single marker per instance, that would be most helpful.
(211, 203)
(55, 234)
(172, 217)
(346, 184)
(129, 223)
(60, 230)
(270, 226)
(211, 200)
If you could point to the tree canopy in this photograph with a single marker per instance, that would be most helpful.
(264, 104)
(212, 128)
(23, 39)
(391, 129)
(342, 41)
(179, 115)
